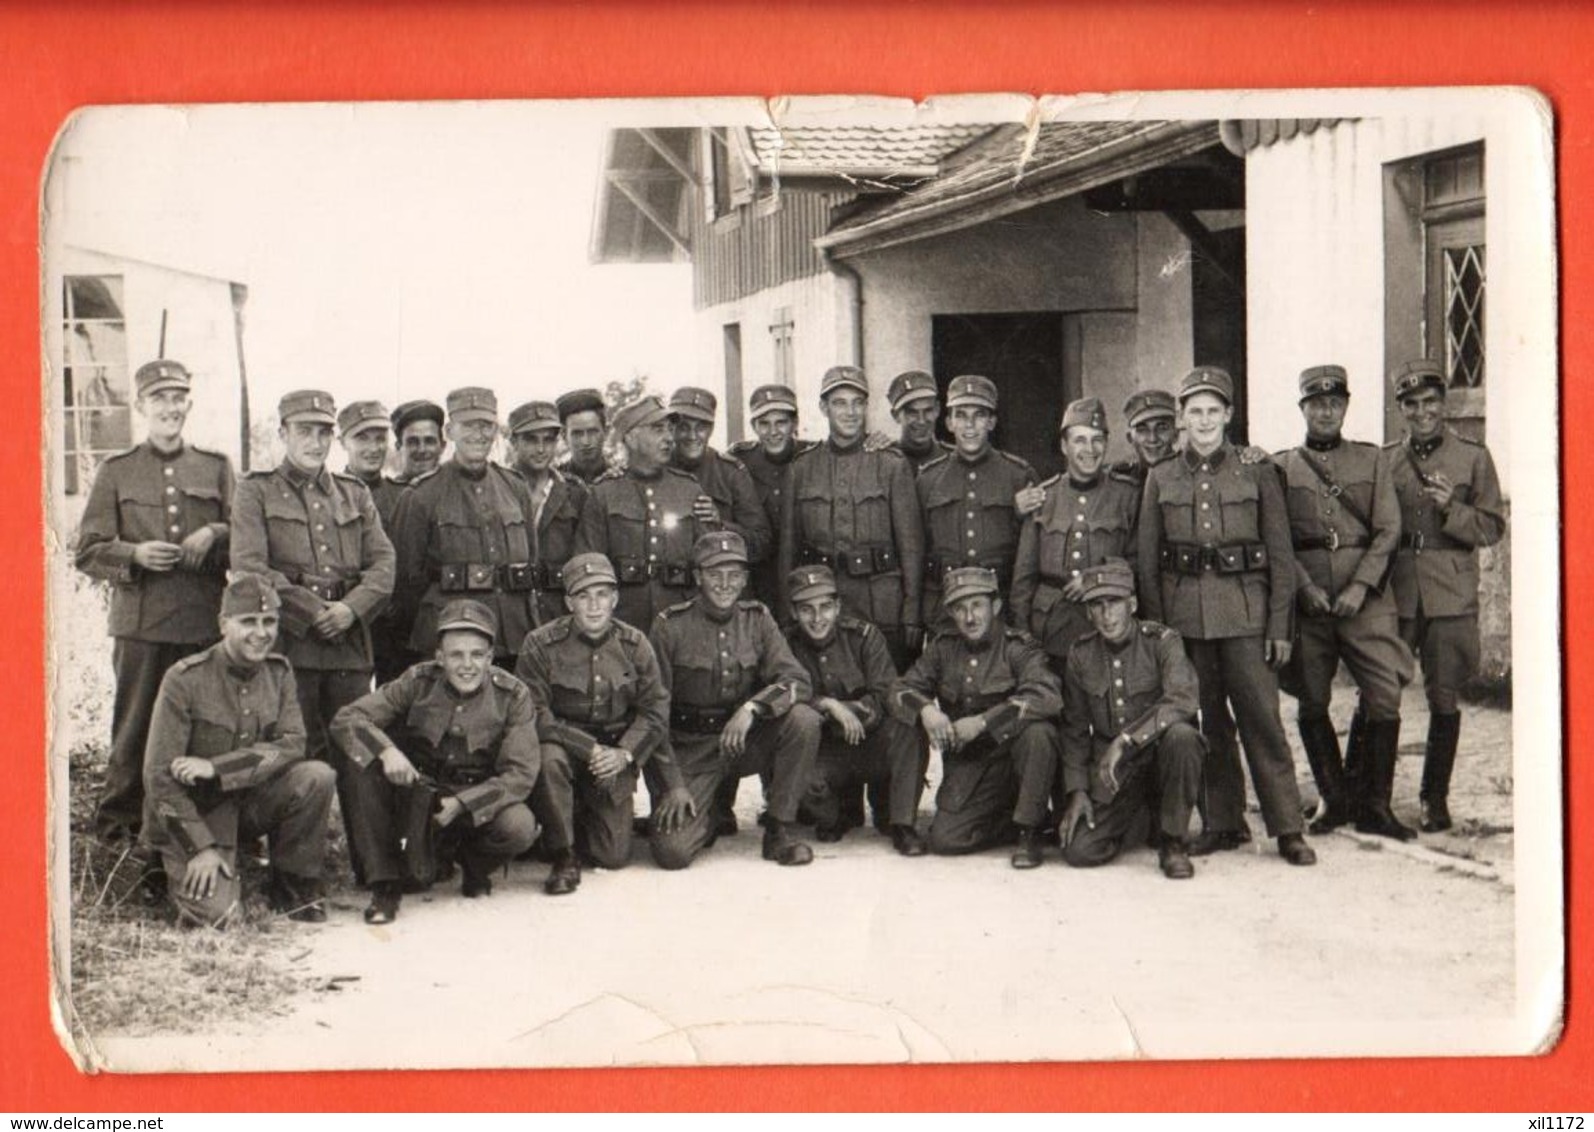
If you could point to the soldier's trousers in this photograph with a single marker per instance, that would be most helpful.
(1233, 672)
(890, 761)
(322, 694)
(1449, 650)
(575, 810)
(1371, 648)
(291, 809)
(787, 748)
(139, 666)
(375, 817)
(986, 788)
(1163, 778)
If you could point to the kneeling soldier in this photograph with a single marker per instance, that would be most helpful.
(738, 706)
(602, 712)
(851, 670)
(1130, 744)
(988, 701)
(226, 762)
(454, 741)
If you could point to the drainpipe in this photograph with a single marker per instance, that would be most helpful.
(240, 296)
(850, 275)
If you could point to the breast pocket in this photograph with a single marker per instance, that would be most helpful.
(872, 511)
(569, 693)
(1240, 500)
(1109, 537)
(287, 530)
(814, 516)
(212, 733)
(511, 521)
(350, 530)
(204, 502)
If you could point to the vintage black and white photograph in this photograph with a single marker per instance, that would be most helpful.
(820, 580)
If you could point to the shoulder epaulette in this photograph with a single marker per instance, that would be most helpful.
(193, 661)
(627, 631)
(801, 446)
(278, 658)
(801, 452)
(1087, 637)
(424, 476)
(676, 610)
(671, 469)
(858, 624)
(346, 478)
(1154, 629)
(1450, 432)
(609, 474)
(933, 461)
(513, 473)
(751, 603)
(1361, 444)
(1016, 634)
(260, 474)
(1389, 445)
(506, 680)
(742, 446)
(123, 453)
(731, 460)
(211, 452)
(553, 632)
(1124, 472)
(1050, 480)
(1016, 461)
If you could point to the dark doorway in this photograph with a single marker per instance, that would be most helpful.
(1217, 294)
(1024, 355)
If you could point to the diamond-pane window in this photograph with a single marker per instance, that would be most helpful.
(1463, 298)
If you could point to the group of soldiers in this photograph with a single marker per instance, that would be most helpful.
(482, 659)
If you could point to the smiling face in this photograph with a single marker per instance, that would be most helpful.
(593, 608)
(1206, 418)
(306, 443)
(1325, 415)
(1152, 439)
(846, 410)
(817, 616)
(1084, 448)
(970, 426)
(691, 437)
(465, 656)
(472, 440)
(535, 448)
(917, 419)
(248, 638)
(367, 448)
(420, 447)
(1424, 411)
(1113, 617)
(974, 615)
(165, 410)
(722, 585)
(775, 429)
(649, 445)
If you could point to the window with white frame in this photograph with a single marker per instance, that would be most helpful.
(95, 401)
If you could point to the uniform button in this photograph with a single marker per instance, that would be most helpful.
(971, 475)
(1119, 682)
(1080, 517)
(1075, 554)
(1206, 487)
(1205, 505)
(168, 471)
(170, 490)
(324, 548)
(649, 491)
(1117, 664)
(246, 710)
(172, 508)
(972, 552)
(1206, 526)
(1083, 500)
(974, 662)
(971, 534)
(177, 530)
(971, 514)
(653, 557)
(972, 495)
(317, 506)
(1206, 467)
(478, 489)
(320, 526)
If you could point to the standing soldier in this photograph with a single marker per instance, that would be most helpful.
(857, 512)
(773, 410)
(363, 432)
(156, 528)
(1130, 746)
(916, 406)
(418, 432)
(1086, 518)
(738, 706)
(1449, 507)
(226, 766)
(441, 761)
(988, 702)
(585, 420)
(1345, 526)
(602, 714)
(466, 530)
(643, 517)
(727, 499)
(1149, 415)
(850, 670)
(1215, 565)
(555, 498)
(967, 497)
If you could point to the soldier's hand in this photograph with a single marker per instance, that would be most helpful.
(1314, 601)
(334, 620)
(966, 730)
(607, 762)
(200, 879)
(188, 770)
(846, 719)
(733, 739)
(1078, 810)
(1029, 500)
(1350, 600)
(450, 808)
(1107, 768)
(938, 727)
(1277, 653)
(1074, 588)
(1251, 454)
(876, 442)
(196, 546)
(1439, 488)
(157, 555)
(397, 768)
(913, 637)
(676, 808)
(705, 511)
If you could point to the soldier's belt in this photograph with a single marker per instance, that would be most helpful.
(1229, 558)
(609, 734)
(974, 705)
(1416, 540)
(327, 587)
(1331, 541)
(700, 721)
(485, 577)
(547, 577)
(935, 568)
(458, 777)
(639, 571)
(865, 562)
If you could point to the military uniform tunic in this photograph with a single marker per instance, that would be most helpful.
(157, 617)
(917, 458)
(1143, 689)
(854, 666)
(714, 661)
(385, 493)
(771, 481)
(558, 519)
(245, 722)
(726, 481)
(587, 474)
(590, 692)
(644, 524)
(1006, 774)
(466, 533)
(969, 518)
(1078, 525)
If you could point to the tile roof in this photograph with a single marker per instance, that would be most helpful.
(858, 151)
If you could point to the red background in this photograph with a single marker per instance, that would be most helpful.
(205, 51)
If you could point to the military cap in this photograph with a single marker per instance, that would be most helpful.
(771, 399)
(1207, 379)
(1087, 412)
(463, 613)
(914, 385)
(412, 411)
(1318, 380)
(583, 571)
(359, 414)
(472, 403)
(640, 412)
(581, 401)
(163, 373)
(1144, 404)
(838, 376)
(307, 404)
(1112, 577)
(1412, 377)
(718, 548)
(533, 416)
(807, 582)
(971, 389)
(968, 581)
(690, 401)
(249, 593)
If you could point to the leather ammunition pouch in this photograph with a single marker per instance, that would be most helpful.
(864, 562)
(699, 721)
(639, 571)
(485, 577)
(1229, 558)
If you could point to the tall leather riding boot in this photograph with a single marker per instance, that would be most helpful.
(1440, 759)
(1322, 754)
(725, 806)
(1383, 746)
(1356, 757)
